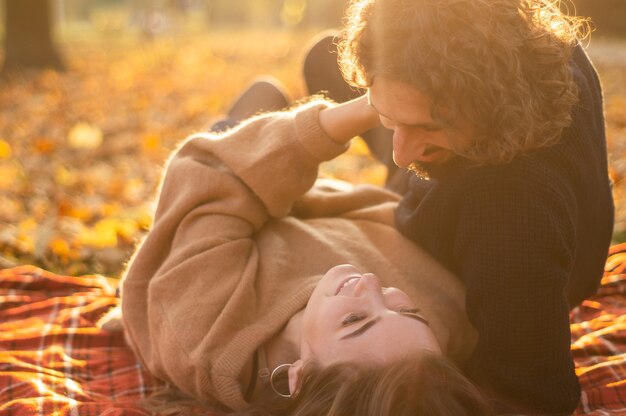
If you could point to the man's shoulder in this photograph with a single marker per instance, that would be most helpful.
(532, 174)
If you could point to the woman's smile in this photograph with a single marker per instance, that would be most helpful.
(344, 296)
(349, 282)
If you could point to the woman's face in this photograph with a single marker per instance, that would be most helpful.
(416, 136)
(350, 317)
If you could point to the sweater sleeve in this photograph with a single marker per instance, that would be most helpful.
(231, 184)
(515, 246)
(217, 192)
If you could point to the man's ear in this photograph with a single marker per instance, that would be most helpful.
(295, 376)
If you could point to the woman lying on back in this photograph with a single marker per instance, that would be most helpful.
(258, 288)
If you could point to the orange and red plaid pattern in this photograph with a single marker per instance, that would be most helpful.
(599, 341)
(54, 361)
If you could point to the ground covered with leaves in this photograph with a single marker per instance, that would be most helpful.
(81, 151)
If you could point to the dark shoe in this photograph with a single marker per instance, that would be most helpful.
(263, 95)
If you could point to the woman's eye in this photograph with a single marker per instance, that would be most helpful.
(415, 312)
(352, 318)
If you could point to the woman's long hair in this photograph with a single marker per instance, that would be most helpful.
(430, 385)
(501, 65)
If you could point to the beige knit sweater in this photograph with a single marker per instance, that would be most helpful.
(241, 236)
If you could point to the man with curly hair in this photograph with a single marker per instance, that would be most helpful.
(496, 106)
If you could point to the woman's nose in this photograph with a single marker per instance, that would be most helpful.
(367, 284)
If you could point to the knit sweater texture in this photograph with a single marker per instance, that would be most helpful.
(241, 235)
(529, 240)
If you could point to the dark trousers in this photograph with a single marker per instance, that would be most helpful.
(322, 76)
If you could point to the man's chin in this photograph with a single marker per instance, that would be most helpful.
(432, 169)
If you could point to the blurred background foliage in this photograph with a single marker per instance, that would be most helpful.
(95, 94)
(154, 16)
(608, 16)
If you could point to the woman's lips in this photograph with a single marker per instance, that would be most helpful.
(347, 282)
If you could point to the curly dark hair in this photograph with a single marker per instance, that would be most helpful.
(502, 65)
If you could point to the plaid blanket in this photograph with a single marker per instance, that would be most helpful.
(599, 341)
(54, 361)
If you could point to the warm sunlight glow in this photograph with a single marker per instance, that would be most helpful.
(293, 12)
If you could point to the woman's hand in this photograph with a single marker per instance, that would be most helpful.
(346, 120)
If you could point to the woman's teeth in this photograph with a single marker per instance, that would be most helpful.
(347, 283)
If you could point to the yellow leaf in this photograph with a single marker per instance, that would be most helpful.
(102, 234)
(110, 209)
(44, 145)
(65, 177)
(141, 216)
(27, 225)
(144, 220)
(151, 142)
(5, 150)
(25, 238)
(105, 232)
(80, 212)
(359, 147)
(127, 229)
(85, 136)
(59, 247)
(8, 175)
(26, 243)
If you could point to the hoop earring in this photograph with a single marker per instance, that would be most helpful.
(274, 372)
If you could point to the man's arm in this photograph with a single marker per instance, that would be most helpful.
(515, 247)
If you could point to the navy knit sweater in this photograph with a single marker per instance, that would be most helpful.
(529, 239)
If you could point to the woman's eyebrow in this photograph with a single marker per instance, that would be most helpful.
(362, 329)
(371, 323)
(417, 317)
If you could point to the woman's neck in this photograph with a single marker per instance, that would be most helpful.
(284, 347)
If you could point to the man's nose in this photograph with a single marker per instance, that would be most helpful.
(405, 147)
(407, 134)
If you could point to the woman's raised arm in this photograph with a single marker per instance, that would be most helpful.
(344, 121)
(200, 256)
